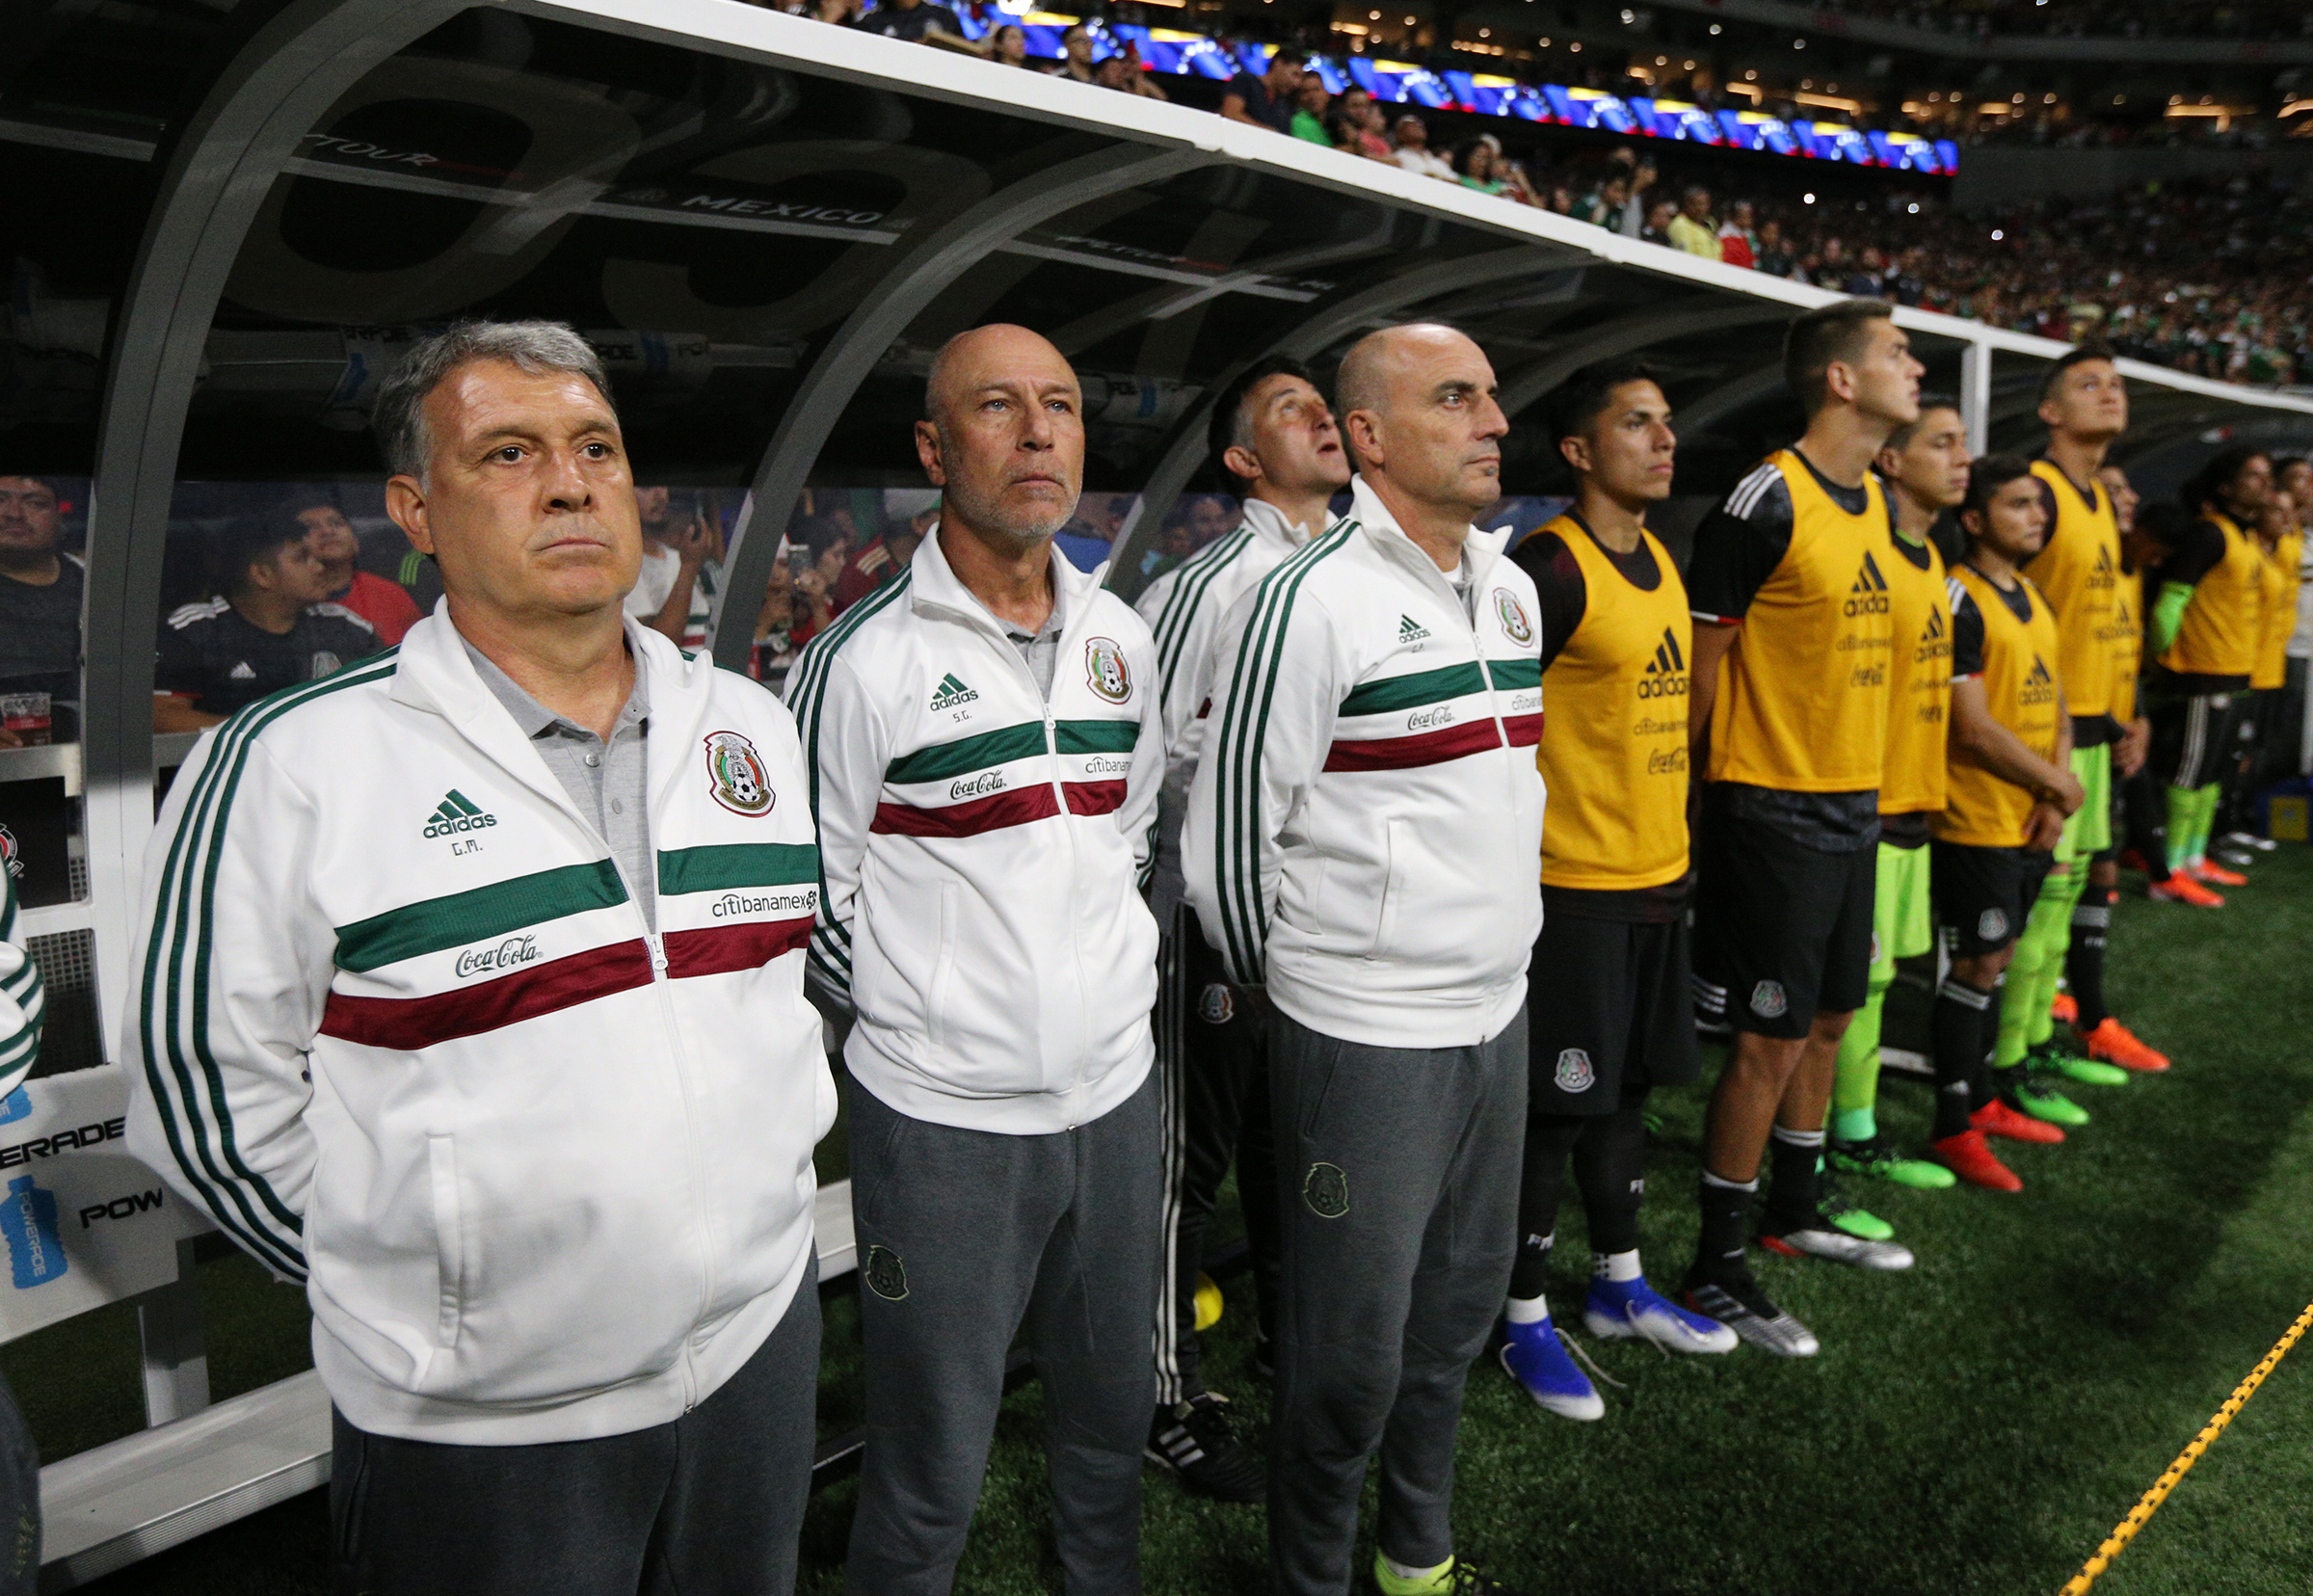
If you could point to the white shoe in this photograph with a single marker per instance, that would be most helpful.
(1841, 1248)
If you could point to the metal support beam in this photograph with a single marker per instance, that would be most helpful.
(1383, 299)
(1976, 395)
(913, 283)
(217, 174)
(174, 1348)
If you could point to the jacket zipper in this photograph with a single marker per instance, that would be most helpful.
(656, 945)
(1051, 752)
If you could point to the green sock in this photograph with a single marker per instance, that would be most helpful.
(1855, 1085)
(2204, 820)
(2184, 806)
(2011, 1046)
(2051, 928)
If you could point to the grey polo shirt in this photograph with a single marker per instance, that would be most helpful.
(605, 780)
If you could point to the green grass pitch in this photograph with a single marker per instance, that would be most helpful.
(1976, 1425)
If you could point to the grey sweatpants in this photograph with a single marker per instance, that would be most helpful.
(967, 1238)
(1398, 1174)
(708, 1505)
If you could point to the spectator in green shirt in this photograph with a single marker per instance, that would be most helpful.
(1309, 102)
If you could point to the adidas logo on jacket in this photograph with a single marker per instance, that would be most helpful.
(402, 1024)
(1364, 832)
(982, 848)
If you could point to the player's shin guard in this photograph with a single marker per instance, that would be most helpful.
(2050, 927)
(1855, 1086)
(2083, 959)
(1958, 1032)
(2015, 1002)
(2184, 808)
(2204, 820)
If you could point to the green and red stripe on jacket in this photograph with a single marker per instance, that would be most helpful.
(991, 780)
(1427, 717)
(473, 962)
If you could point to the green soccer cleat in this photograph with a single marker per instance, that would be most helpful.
(1458, 1577)
(2089, 1072)
(1845, 1216)
(1872, 1158)
(2038, 1098)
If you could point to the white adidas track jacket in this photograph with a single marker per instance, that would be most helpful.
(1365, 829)
(981, 850)
(1185, 609)
(402, 1031)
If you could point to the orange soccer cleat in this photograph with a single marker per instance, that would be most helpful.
(2181, 888)
(1997, 1119)
(1971, 1158)
(2115, 1043)
(2216, 876)
(2064, 1010)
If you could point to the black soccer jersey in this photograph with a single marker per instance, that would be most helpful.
(210, 655)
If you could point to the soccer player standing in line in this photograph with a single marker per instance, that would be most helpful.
(2203, 637)
(2011, 787)
(1788, 587)
(1609, 1012)
(1273, 433)
(985, 752)
(1925, 467)
(2083, 400)
(2281, 538)
(1361, 840)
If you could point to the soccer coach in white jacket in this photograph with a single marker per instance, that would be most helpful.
(1361, 842)
(471, 994)
(986, 749)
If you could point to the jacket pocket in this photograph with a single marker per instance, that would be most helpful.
(449, 1239)
(1396, 849)
(937, 996)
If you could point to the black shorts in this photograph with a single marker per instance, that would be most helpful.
(1984, 894)
(2196, 740)
(1608, 1011)
(1783, 931)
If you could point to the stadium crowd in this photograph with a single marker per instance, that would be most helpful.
(2207, 275)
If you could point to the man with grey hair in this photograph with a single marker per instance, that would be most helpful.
(1360, 845)
(986, 748)
(472, 997)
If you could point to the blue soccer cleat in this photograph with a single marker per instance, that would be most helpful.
(1631, 1309)
(1537, 1360)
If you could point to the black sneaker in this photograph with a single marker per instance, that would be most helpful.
(1193, 1439)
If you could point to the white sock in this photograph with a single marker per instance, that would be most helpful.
(1527, 1310)
(1402, 1572)
(1616, 1266)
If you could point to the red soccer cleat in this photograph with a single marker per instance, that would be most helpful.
(2216, 876)
(2064, 1010)
(1970, 1157)
(2131, 860)
(2115, 1044)
(2181, 888)
(1997, 1119)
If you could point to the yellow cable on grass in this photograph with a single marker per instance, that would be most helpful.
(2137, 1516)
